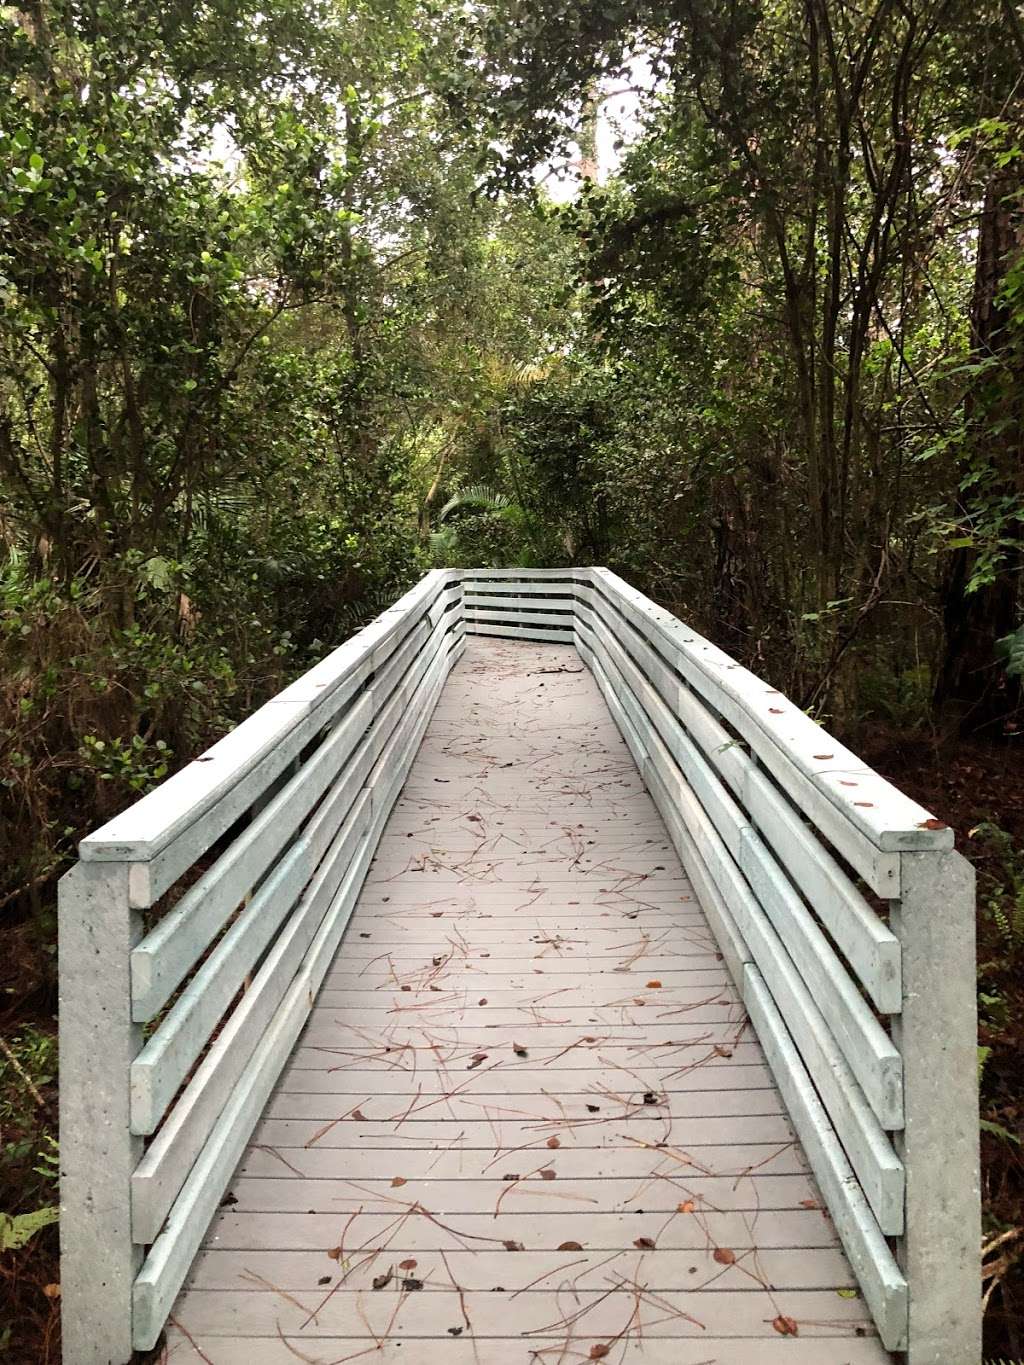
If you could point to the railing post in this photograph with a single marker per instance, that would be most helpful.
(937, 1036)
(98, 1042)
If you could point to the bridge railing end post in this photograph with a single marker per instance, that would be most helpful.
(936, 1033)
(97, 929)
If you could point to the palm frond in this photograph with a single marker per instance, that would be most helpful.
(477, 495)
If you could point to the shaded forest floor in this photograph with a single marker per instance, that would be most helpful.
(977, 788)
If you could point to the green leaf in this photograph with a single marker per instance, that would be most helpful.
(18, 1228)
(997, 1130)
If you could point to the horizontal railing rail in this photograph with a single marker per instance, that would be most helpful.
(845, 918)
(198, 925)
(194, 934)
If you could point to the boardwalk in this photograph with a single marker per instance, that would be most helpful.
(527, 1122)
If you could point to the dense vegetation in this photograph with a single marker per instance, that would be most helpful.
(287, 315)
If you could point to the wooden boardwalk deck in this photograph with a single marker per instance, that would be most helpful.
(527, 1122)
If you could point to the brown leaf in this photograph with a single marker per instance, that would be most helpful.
(334, 1253)
(823, 758)
(553, 1142)
(359, 1116)
(570, 1246)
(809, 1204)
(482, 1000)
(785, 1327)
(724, 1256)
(478, 1057)
(398, 1180)
(409, 1264)
(599, 1350)
(411, 1286)
(594, 1108)
(406, 988)
(644, 1243)
(519, 1050)
(547, 1173)
(685, 1207)
(721, 1051)
(863, 803)
(52, 1291)
(654, 985)
(933, 824)
(382, 1281)
(513, 1246)
(775, 711)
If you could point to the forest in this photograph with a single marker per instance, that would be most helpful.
(299, 299)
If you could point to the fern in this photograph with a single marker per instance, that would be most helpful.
(18, 1228)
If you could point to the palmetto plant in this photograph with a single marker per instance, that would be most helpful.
(479, 495)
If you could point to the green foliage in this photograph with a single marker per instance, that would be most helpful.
(1010, 653)
(18, 1228)
(1004, 890)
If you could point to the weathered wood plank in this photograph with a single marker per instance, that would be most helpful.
(724, 1313)
(602, 1231)
(480, 1270)
(525, 632)
(502, 1132)
(399, 1349)
(535, 1080)
(356, 1193)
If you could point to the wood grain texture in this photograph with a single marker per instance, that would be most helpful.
(527, 1038)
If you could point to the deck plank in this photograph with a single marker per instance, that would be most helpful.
(527, 1040)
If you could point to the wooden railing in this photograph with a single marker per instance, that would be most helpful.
(172, 1034)
(844, 916)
